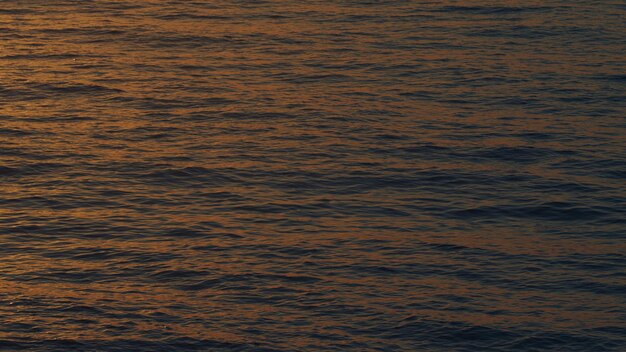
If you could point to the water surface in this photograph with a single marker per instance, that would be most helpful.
(335, 175)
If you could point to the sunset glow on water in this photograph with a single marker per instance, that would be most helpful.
(328, 176)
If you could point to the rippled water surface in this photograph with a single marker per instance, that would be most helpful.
(312, 176)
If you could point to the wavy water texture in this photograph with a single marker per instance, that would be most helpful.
(238, 175)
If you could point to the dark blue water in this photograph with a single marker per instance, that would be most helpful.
(327, 176)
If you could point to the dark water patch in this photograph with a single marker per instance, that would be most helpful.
(170, 104)
(191, 16)
(32, 169)
(169, 275)
(23, 328)
(74, 89)
(612, 78)
(8, 171)
(449, 335)
(19, 94)
(81, 310)
(86, 31)
(14, 132)
(21, 57)
(140, 345)
(249, 281)
(58, 202)
(95, 254)
(494, 10)
(74, 276)
(264, 116)
(18, 11)
(521, 154)
(182, 232)
(532, 33)
(552, 211)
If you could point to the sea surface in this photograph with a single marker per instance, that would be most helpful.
(281, 175)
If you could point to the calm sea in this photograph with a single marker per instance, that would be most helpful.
(280, 175)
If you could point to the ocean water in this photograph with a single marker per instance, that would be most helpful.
(327, 175)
